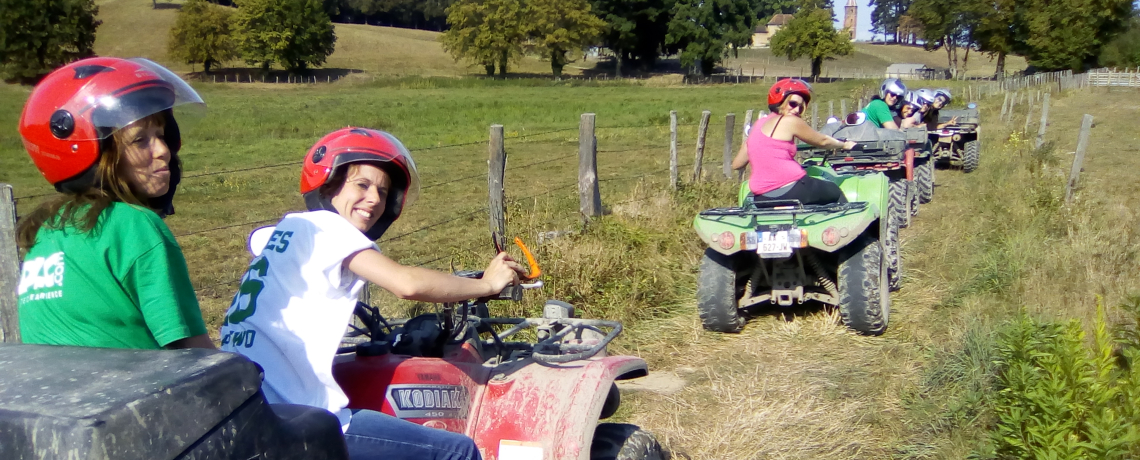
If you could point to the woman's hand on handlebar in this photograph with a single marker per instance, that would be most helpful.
(503, 271)
(848, 145)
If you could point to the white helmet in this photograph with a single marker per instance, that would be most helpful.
(911, 99)
(892, 86)
(925, 96)
(944, 92)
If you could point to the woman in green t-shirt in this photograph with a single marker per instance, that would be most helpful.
(100, 267)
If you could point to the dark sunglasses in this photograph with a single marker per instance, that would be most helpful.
(795, 104)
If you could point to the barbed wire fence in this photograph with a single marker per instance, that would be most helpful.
(624, 171)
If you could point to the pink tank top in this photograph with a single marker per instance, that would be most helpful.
(773, 161)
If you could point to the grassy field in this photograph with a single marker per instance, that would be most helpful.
(870, 59)
(991, 244)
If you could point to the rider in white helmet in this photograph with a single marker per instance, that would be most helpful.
(878, 111)
(933, 101)
(909, 111)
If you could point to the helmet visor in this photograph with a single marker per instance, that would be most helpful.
(136, 90)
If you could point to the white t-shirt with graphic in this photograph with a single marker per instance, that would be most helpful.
(293, 306)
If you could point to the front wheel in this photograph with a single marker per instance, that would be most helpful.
(717, 293)
(622, 441)
(864, 300)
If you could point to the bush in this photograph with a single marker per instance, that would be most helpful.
(1060, 398)
(202, 35)
(297, 34)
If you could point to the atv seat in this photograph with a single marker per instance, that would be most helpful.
(100, 403)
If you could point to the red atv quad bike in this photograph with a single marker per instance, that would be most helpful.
(522, 388)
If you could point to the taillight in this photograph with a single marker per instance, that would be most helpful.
(831, 236)
(727, 240)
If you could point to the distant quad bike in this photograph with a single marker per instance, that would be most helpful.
(958, 145)
(522, 388)
(903, 155)
(784, 253)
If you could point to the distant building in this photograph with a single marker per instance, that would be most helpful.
(763, 33)
(915, 72)
(850, 15)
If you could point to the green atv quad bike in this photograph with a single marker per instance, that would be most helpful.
(903, 155)
(958, 145)
(783, 252)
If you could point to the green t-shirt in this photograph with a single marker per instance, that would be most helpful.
(122, 285)
(878, 112)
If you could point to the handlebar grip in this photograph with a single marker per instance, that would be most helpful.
(512, 292)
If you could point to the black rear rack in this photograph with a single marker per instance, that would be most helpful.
(784, 207)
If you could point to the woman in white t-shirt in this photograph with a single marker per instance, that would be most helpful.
(298, 295)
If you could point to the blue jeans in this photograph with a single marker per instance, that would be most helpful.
(373, 435)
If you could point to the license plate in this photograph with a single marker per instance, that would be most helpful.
(774, 245)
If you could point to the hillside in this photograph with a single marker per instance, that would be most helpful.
(134, 28)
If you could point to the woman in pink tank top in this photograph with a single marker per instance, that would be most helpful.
(770, 149)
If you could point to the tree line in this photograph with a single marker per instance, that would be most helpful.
(1050, 34)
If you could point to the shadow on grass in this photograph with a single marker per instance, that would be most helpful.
(167, 6)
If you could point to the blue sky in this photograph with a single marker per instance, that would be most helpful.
(863, 25)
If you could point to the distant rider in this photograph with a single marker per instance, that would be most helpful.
(771, 149)
(940, 97)
(878, 111)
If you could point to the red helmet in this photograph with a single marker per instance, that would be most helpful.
(355, 145)
(786, 87)
(77, 107)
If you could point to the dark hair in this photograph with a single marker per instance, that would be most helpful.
(82, 209)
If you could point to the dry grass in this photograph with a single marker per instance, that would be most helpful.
(869, 59)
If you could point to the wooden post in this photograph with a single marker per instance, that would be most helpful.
(9, 268)
(729, 127)
(496, 168)
(673, 149)
(700, 155)
(1079, 157)
(1044, 121)
(842, 108)
(590, 198)
(747, 122)
(814, 116)
(1004, 105)
(1028, 115)
(830, 108)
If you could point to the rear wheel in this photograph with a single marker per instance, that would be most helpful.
(622, 441)
(864, 301)
(717, 293)
(970, 156)
(900, 202)
(924, 177)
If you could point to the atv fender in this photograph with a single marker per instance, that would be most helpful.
(552, 406)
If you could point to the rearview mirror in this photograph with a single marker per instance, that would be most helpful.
(856, 118)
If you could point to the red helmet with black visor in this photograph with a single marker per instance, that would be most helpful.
(361, 145)
(70, 117)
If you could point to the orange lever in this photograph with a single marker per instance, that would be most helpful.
(535, 271)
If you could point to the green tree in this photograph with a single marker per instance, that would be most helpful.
(1068, 34)
(36, 36)
(811, 34)
(486, 32)
(886, 16)
(635, 29)
(559, 26)
(765, 9)
(946, 25)
(706, 31)
(995, 30)
(201, 35)
(1124, 50)
(296, 34)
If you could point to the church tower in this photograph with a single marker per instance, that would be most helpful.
(850, 12)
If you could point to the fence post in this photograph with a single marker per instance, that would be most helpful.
(1028, 115)
(842, 108)
(1004, 106)
(496, 167)
(590, 198)
(814, 116)
(673, 149)
(1079, 157)
(9, 267)
(700, 156)
(1044, 122)
(729, 127)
